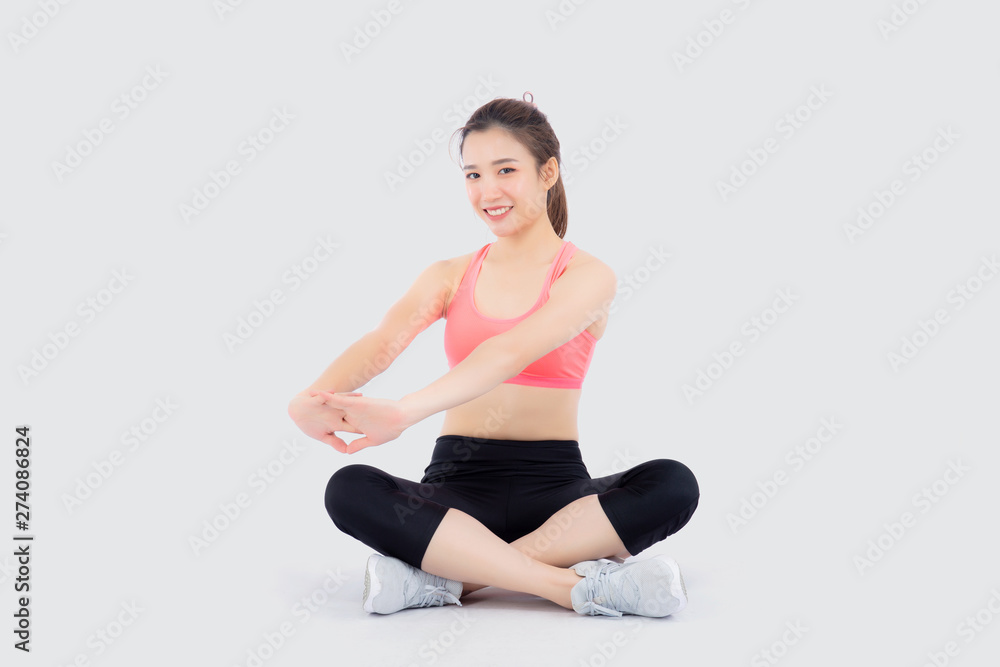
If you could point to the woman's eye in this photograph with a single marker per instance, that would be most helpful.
(472, 173)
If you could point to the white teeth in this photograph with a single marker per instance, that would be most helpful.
(499, 211)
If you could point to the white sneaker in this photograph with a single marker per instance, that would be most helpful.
(391, 585)
(587, 566)
(650, 587)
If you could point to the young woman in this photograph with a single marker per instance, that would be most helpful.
(506, 500)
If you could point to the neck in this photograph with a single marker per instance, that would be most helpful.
(534, 244)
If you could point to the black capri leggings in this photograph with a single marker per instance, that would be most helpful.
(510, 486)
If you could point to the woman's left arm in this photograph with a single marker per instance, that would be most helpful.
(579, 298)
(382, 420)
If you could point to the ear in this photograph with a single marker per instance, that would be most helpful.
(550, 172)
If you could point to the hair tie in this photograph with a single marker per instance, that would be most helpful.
(531, 101)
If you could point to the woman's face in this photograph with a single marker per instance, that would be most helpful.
(500, 173)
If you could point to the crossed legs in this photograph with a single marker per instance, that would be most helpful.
(463, 549)
(648, 502)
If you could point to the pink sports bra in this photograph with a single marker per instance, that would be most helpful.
(564, 367)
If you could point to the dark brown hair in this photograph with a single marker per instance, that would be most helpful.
(530, 127)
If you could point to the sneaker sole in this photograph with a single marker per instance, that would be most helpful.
(677, 588)
(372, 585)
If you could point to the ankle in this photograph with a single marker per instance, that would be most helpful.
(471, 588)
(564, 583)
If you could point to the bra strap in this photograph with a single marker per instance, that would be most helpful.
(565, 254)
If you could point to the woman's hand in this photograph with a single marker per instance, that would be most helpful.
(380, 419)
(319, 421)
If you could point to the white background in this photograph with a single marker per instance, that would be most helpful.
(684, 128)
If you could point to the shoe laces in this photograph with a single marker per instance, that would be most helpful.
(435, 596)
(598, 586)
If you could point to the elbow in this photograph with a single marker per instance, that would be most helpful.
(511, 359)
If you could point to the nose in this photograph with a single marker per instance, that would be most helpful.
(486, 191)
(491, 191)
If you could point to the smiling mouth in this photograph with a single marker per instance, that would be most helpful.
(497, 211)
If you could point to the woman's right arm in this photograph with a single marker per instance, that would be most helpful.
(370, 355)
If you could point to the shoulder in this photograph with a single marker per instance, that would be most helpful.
(591, 277)
(451, 267)
(589, 268)
(451, 271)
(455, 267)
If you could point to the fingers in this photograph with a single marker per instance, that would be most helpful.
(326, 395)
(353, 447)
(342, 404)
(336, 443)
(359, 444)
(333, 400)
(348, 427)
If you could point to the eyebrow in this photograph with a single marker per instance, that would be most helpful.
(495, 163)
